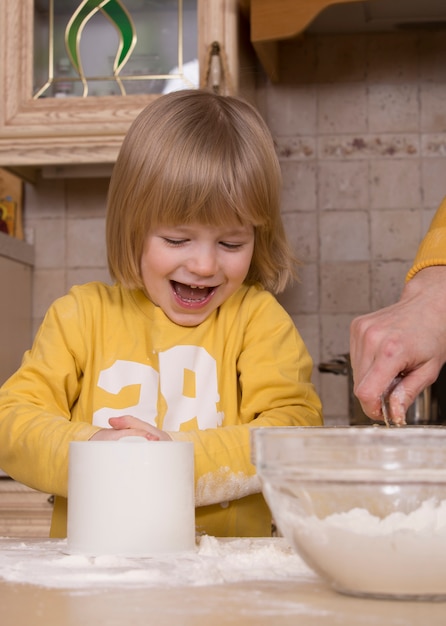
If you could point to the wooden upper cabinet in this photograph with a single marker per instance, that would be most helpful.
(273, 21)
(49, 131)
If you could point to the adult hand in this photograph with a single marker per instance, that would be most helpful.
(128, 426)
(408, 337)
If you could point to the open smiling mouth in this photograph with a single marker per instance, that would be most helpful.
(192, 294)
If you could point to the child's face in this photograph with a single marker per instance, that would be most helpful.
(191, 270)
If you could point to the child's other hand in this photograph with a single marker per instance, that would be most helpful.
(127, 426)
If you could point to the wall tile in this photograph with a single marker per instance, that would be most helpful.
(334, 397)
(433, 145)
(344, 236)
(48, 241)
(291, 110)
(302, 232)
(345, 287)
(395, 184)
(299, 186)
(61, 243)
(343, 184)
(387, 282)
(393, 58)
(298, 61)
(426, 218)
(432, 55)
(335, 335)
(295, 148)
(342, 108)
(303, 296)
(433, 111)
(391, 242)
(341, 59)
(86, 243)
(87, 197)
(393, 106)
(86, 275)
(433, 176)
(48, 285)
(308, 327)
(46, 199)
(365, 146)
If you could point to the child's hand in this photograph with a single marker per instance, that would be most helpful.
(127, 426)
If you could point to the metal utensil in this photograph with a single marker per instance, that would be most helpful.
(385, 409)
(385, 400)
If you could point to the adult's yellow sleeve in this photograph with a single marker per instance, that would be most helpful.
(432, 250)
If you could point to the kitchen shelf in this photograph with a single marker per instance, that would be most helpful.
(16, 249)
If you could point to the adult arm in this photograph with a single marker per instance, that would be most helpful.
(408, 337)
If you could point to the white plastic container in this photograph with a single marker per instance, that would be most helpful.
(131, 497)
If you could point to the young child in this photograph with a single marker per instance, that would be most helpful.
(189, 343)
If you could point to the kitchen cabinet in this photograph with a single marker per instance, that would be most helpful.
(74, 130)
(275, 21)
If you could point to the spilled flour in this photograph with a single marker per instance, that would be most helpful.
(215, 561)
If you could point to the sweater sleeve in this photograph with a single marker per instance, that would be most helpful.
(274, 370)
(36, 403)
(432, 250)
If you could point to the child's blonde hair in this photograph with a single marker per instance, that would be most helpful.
(195, 156)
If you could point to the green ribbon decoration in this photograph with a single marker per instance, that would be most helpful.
(117, 14)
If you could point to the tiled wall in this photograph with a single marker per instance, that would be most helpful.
(65, 219)
(360, 126)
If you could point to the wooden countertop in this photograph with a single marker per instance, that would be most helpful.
(301, 601)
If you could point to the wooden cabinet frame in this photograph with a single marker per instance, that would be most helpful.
(52, 131)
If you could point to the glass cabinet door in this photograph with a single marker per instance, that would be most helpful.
(114, 47)
(75, 73)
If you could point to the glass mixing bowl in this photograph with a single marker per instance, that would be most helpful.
(365, 507)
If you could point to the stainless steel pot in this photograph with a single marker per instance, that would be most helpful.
(427, 409)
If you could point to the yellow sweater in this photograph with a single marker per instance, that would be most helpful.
(432, 250)
(105, 351)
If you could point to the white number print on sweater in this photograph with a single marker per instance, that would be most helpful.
(174, 365)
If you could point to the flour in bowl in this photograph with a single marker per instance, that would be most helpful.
(399, 555)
